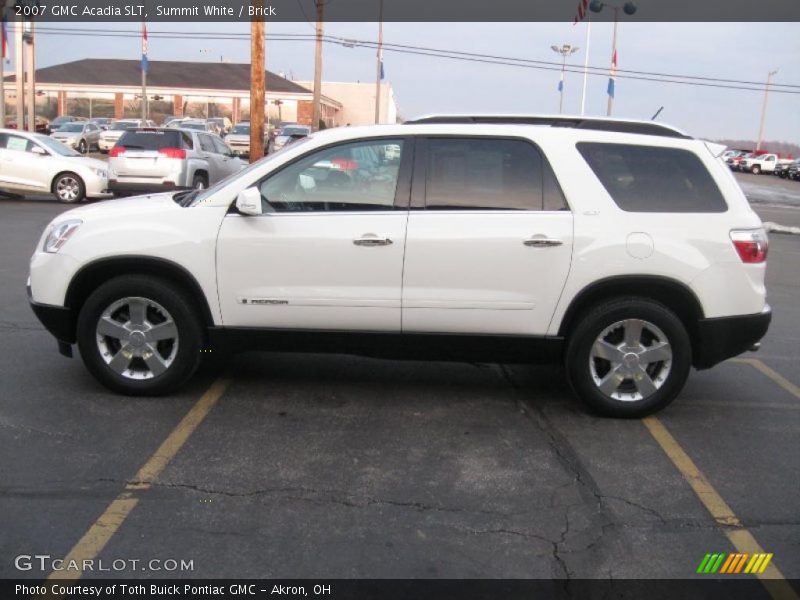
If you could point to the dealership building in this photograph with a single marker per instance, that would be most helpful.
(104, 87)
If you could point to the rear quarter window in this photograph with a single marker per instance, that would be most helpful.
(653, 179)
(150, 140)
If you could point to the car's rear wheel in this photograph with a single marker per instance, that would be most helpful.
(139, 336)
(69, 188)
(628, 357)
(82, 147)
(755, 170)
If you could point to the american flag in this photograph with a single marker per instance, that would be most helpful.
(580, 15)
(5, 37)
(613, 74)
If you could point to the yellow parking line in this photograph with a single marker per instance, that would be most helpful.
(99, 534)
(744, 542)
(771, 373)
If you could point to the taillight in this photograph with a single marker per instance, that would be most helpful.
(116, 151)
(344, 164)
(751, 244)
(173, 152)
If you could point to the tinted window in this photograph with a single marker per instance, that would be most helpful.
(150, 140)
(489, 174)
(352, 177)
(652, 179)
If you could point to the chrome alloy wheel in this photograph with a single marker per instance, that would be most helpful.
(137, 338)
(630, 360)
(68, 188)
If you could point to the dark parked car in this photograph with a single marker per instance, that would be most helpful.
(43, 125)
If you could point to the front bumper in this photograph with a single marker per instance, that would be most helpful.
(725, 337)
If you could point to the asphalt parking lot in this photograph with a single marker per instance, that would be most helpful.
(335, 466)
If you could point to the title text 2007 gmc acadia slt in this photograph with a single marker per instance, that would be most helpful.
(625, 250)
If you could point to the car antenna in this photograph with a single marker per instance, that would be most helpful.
(658, 112)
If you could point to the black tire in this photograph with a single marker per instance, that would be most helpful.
(582, 368)
(178, 305)
(82, 148)
(69, 188)
(755, 170)
(199, 181)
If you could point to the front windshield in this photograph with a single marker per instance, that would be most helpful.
(123, 125)
(71, 128)
(54, 146)
(241, 130)
(196, 196)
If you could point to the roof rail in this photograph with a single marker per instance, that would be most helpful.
(616, 125)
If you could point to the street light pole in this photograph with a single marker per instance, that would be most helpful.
(564, 50)
(586, 64)
(764, 109)
(379, 67)
(317, 109)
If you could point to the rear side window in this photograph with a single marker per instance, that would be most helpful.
(150, 140)
(653, 179)
(489, 174)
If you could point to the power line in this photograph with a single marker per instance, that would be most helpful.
(694, 80)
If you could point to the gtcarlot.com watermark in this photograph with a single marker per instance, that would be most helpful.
(45, 563)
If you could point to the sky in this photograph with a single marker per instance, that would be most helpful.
(424, 85)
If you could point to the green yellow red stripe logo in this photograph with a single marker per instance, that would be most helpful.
(732, 563)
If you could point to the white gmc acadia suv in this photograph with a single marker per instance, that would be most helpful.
(623, 249)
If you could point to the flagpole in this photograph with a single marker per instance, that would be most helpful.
(613, 74)
(379, 67)
(144, 72)
(4, 43)
(586, 64)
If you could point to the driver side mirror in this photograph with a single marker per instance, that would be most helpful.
(248, 202)
(38, 150)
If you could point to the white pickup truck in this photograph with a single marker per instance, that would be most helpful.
(763, 163)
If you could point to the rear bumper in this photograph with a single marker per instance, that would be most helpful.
(725, 337)
(139, 187)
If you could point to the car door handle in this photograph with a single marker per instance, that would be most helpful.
(542, 242)
(372, 240)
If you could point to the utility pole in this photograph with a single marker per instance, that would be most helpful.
(19, 76)
(256, 88)
(3, 67)
(145, 67)
(379, 67)
(30, 70)
(318, 67)
(764, 109)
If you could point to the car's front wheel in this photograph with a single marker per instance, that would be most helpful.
(628, 357)
(139, 336)
(82, 147)
(69, 188)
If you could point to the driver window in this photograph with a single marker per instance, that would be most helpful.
(352, 177)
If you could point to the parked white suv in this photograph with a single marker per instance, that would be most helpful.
(625, 250)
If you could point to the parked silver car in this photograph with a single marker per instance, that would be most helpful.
(239, 139)
(162, 158)
(199, 125)
(109, 137)
(287, 135)
(82, 136)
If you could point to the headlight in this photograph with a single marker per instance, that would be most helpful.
(60, 234)
(101, 173)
